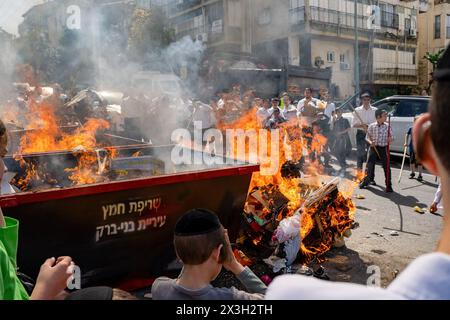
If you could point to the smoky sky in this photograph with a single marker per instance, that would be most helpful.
(11, 12)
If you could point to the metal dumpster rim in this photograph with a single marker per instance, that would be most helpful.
(115, 186)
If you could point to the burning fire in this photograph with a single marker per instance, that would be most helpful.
(44, 134)
(330, 217)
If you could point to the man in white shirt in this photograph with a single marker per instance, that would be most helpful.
(362, 118)
(264, 113)
(275, 105)
(307, 108)
(290, 111)
(427, 277)
(330, 109)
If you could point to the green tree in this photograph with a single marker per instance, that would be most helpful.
(433, 58)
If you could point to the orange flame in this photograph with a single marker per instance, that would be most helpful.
(293, 146)
(45, 135)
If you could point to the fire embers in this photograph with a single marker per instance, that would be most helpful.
(293, 169)
(51, 155)
(301, 233)
(328, 217)
(266, 205)
(34, 176)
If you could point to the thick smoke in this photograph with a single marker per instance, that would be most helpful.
(7, 63)
(185, 57)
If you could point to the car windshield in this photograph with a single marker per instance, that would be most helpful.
(389, 106)
(411, 108)
(403, 108)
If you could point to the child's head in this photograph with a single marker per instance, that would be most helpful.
(200, 239)
(338, 113)
(276, 113)
(381, 115)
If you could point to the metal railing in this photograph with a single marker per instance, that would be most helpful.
(339, 18)
(392, 74)
(389, 20)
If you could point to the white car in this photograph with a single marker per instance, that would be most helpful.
(402, 110)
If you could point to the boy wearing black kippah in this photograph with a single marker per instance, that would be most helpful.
(202, 244)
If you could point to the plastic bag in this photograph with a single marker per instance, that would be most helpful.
(288, 228)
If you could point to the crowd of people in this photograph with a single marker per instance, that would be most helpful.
(202, 244)
(318, 119)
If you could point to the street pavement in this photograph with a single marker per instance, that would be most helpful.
(390, 234)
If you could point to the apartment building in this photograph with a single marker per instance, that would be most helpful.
(321, 34)
(224, 24)
(434, 34)
(150, 4)
(313, 40)
(51, 18)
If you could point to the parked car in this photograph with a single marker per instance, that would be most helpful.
(402, 110)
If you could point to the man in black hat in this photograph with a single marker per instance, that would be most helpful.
(362, 118)
(202, 244)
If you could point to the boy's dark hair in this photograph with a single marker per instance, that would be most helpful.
(197, 233)
(379, 113)
(440, 111)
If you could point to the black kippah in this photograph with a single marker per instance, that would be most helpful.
(197, 222)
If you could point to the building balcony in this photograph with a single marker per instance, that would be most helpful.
(391, 76)
(177, 6)
(345, 19)
(324, 18)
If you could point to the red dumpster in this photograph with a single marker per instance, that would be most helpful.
(122, 230)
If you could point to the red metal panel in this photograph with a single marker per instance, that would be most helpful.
(57, 194)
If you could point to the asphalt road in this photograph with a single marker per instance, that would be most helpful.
(381, 214)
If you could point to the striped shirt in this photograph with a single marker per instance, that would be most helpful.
(378, 134)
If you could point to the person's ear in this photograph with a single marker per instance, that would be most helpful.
(423, 145)
(216, 253)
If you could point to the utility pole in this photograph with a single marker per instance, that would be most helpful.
(357, 83)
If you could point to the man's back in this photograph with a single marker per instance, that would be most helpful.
(426, 278)
(167, 289)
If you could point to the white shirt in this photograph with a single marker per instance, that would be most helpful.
(301, 103)
(331, 107)
(367, 116)
(426, 278)
(220, 104)
(290, 112)
(272, 109)
(262, 114)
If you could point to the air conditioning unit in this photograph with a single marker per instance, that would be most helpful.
(412, 33)
(202, 37)
(345, 66)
